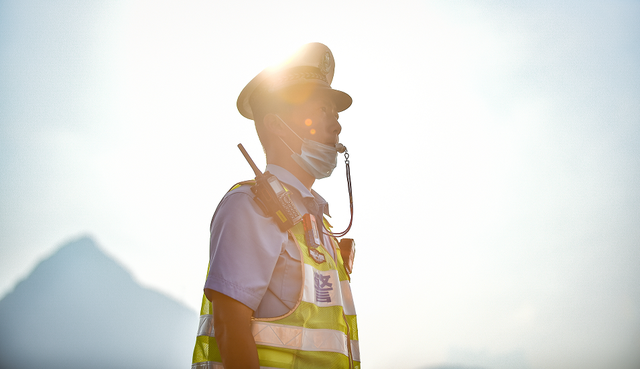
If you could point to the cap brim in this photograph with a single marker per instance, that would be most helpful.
(342, 100)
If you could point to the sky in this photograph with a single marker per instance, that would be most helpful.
(494, 150)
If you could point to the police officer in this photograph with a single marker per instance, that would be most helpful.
(281, 298)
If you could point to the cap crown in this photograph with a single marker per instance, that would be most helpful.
(313, 64)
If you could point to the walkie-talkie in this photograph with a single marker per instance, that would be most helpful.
(273, 197)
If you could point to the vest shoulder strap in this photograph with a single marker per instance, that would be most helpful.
(249, 182)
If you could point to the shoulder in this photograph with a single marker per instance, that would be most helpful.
(241, 191)
(239, 198)
(238, 206)
(239, 195)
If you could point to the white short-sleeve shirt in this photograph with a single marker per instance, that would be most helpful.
(251, 260)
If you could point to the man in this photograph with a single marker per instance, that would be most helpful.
(280, 298)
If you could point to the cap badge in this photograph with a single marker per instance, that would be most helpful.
(325, 63)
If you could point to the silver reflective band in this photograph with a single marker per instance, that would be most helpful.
(332, 295)
(347, 304)
(339, 295)
(355, 350)
(207, 365)
(299, 338)
(214, 365)
(205, 326)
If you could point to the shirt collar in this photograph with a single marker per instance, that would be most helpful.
(288, 178)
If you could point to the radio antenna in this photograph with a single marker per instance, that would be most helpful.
(253, 165)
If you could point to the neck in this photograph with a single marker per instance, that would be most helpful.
(286, 162)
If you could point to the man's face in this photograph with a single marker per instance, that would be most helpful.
(316, 119)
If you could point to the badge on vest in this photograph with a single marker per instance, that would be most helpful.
(316, 255)
(311, 234)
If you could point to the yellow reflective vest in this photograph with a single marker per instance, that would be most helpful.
(319, 332)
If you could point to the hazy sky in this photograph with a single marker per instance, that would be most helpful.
(495, 154)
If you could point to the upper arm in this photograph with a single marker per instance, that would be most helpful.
(228, 310)
(244, 249)
(232, 326)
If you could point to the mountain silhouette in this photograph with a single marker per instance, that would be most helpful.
(81, 309)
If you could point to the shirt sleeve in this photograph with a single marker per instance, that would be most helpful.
(244, 249)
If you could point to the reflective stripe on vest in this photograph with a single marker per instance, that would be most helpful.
(278, 335)
(321, 330)
(214, 365)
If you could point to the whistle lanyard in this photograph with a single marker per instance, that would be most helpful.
(344, 233)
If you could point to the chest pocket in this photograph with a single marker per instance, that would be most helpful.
(285, 287)
(292, 276)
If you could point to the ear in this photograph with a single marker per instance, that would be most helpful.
(274, 125)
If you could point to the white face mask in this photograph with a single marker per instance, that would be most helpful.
(315, 158)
